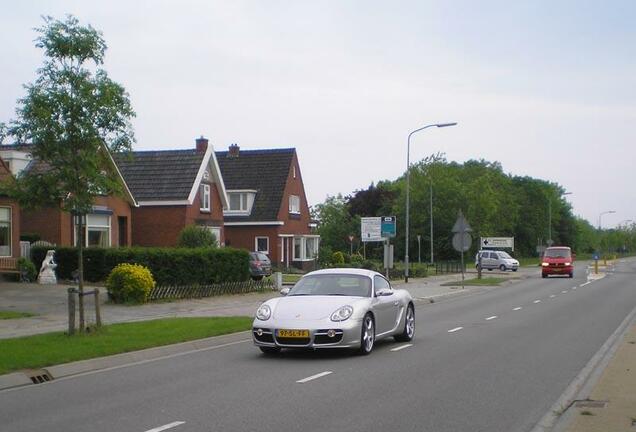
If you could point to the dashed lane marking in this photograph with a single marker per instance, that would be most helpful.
(552, 296)
(586, 283)
(401, 347)
(564, 291)
(455, 329)
(517, 308)
(491, 317)
(166, 426)
(313, 377)
(537, 301)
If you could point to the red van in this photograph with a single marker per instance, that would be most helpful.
(557, 260)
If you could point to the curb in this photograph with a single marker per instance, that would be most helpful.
(16, 380)
(557, 418)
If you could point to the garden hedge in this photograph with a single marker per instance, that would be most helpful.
(169, 266)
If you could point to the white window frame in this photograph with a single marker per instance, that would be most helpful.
(87, 226)
(303, 247)
(217, 233)
(206, 204)
(294, 204)
(246, 201)
(256, 239)
(10, 222)
(294, 170)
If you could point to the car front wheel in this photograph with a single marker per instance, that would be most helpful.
(409, 326)
(502, 267)
(367, 336)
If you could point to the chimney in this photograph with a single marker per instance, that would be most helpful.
(202, 144)
(234, 151)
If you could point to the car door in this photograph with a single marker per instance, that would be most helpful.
(385, 307)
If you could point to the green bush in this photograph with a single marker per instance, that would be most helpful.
(357, 259)
(130, 283)
(27, 269)
(325, 254)
(196, 236)
(169, 266)
(30, 237)
(337, 258)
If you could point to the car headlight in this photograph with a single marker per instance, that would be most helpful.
(544, 264)
(567, 263)
(263, 312)
(342, 313)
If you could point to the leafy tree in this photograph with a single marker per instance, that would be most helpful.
(74, 115)
(335, 224)
(194, 236)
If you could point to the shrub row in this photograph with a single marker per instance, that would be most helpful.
(169, 266)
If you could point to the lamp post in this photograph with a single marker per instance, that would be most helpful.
(599, 225)
(408, 171)
(550, 218)
(430, 209)
(419, 255)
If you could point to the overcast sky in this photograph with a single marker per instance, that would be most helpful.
(547, 88)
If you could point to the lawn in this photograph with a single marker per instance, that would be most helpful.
(291, 278)
(485, 281)
(14, 314)
(48, 349)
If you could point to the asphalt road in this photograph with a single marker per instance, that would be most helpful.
(494, 361)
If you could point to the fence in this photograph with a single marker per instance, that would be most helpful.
(442, 267)
(169, 292)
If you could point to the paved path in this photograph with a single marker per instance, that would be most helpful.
(48, 302)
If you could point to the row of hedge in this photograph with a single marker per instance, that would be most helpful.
(169, 266)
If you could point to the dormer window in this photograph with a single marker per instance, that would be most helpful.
(205, 198)
(240, 202)
(294, 204)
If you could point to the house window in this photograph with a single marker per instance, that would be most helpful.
(5, 231)
(261, 244)
(96, 231)
(205, 197)
(217, 234)
(241, 202)
(306, 248)
(294, 204)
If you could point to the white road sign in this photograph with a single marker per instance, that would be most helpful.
(371, 229)
(497, 242)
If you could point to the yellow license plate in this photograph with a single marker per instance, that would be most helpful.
(293, 333)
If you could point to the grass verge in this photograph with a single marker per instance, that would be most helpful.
(291, 277)
(14, 314)
(486, 281)
(48, 349)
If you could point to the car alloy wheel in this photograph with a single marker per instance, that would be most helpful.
(409, 326)
(502, 267)
(367, 339)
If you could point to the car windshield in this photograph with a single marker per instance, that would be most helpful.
(257, 256)
(557, 253)
(504, 255)
(333, 284)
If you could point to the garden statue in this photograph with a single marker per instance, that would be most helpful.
(47, 271)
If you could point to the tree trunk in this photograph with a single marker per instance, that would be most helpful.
(80, 268)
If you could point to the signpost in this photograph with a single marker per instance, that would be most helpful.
(462, 238)
(371, 229)
(379, 229)
(497, 242)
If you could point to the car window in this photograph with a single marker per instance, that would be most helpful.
(333, 284)
(557, 253)
(381, 283)
(504, 255)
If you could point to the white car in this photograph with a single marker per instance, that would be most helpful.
(335, 308)
(496, 260)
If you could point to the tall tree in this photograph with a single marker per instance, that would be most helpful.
(74, 115)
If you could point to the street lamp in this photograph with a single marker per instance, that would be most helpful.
(601, 214)
(550, 219)
(408, 171)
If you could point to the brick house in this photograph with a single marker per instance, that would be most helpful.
(268, 209)
(173, 189)
(9, 219)
(107, 225)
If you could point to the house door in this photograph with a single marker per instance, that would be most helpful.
(123, 230)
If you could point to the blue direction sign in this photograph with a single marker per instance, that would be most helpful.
(387, 228)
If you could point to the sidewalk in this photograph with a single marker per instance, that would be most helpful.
(48, 302)
(612, 405)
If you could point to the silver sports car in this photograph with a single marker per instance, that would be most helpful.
(335, 308)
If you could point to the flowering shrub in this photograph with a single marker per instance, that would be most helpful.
(130, 283)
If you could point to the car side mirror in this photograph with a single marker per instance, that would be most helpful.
(573, 256)
(383, 292)
(284, 291)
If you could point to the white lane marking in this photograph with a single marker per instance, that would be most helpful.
(564, 291)
(313, 377)
(455, 329)
(401, 347)
(586, 283)
(491, 318)
(573, 288)
(166, 427)
(552, 296)
(517, 308)
(537, 301)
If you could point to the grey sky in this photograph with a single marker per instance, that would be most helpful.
(546, 88)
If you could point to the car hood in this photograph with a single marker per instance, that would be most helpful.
(551, 260)
(311, 307)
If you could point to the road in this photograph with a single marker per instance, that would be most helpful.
(494, 361)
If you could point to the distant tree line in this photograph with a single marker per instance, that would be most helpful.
(494, 203)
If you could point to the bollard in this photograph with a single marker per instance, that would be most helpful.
(98, 315)
(71, 311)
(278, 281)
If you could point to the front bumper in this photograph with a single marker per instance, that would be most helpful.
(346, 334)
(557, 270)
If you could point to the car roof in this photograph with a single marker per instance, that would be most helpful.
(348, 271)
